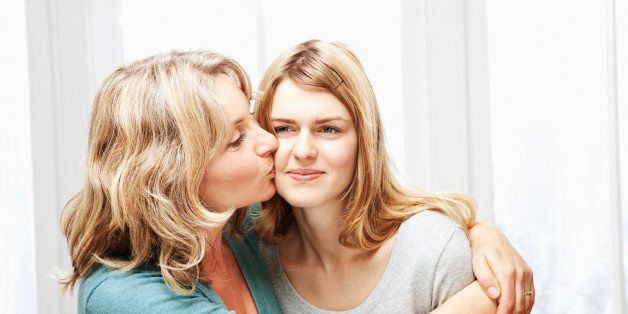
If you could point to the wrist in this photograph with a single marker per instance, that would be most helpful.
(483, 231)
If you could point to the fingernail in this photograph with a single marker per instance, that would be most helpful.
(492, 292)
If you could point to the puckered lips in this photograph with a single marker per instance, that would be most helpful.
(305, 175)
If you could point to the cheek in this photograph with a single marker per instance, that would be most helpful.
(241, 171)
(245, 173)
(342, 156)
(225, 179)
(282, 154)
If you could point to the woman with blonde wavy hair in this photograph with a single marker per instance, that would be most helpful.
(342, 233)
(146, 231)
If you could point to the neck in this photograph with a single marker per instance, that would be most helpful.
(215, 253)
(314, 237)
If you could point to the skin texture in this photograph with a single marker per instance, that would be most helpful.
(317, 153)
(242, 173)
(226, 186)
(316, 135)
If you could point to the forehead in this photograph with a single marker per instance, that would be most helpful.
(303, 101)
(230, 96)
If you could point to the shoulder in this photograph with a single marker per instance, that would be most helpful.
(430, 226)
(449, 253)
(443, 244)
(139, 290)
(430, 218)
(436, 231)
(444, 252)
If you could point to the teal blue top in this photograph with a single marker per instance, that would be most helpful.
(143, 290)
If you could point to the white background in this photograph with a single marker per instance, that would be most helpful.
(507, 100)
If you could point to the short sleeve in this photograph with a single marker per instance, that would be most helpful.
(454, 270)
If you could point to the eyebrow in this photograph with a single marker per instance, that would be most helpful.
(317, 121)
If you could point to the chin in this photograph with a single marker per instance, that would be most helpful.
(300, 201)
(268, 193)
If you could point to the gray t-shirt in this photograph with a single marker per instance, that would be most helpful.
(430, 261)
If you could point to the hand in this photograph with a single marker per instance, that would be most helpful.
(502, 273)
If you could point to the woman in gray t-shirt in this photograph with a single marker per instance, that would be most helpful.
(342, 233)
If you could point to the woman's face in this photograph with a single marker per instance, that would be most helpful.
(242, 173)
(316, 158)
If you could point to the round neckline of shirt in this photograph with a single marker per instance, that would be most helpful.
(371, 300)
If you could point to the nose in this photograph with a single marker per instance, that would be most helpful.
(267, 143)
(303, 147)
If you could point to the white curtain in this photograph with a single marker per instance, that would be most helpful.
(549, 91)
(17, 265)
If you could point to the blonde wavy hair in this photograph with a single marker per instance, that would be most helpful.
(375, 202)
(155, 125)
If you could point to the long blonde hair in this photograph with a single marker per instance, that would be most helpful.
(155, 125)
(376, 203)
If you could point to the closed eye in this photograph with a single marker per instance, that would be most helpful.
(235, 144)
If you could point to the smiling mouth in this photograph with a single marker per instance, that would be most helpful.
(305, 175)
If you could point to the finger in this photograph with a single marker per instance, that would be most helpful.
(507, 297)
(486, 278)
(520, 292)
(531, 298)
(528, 285)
